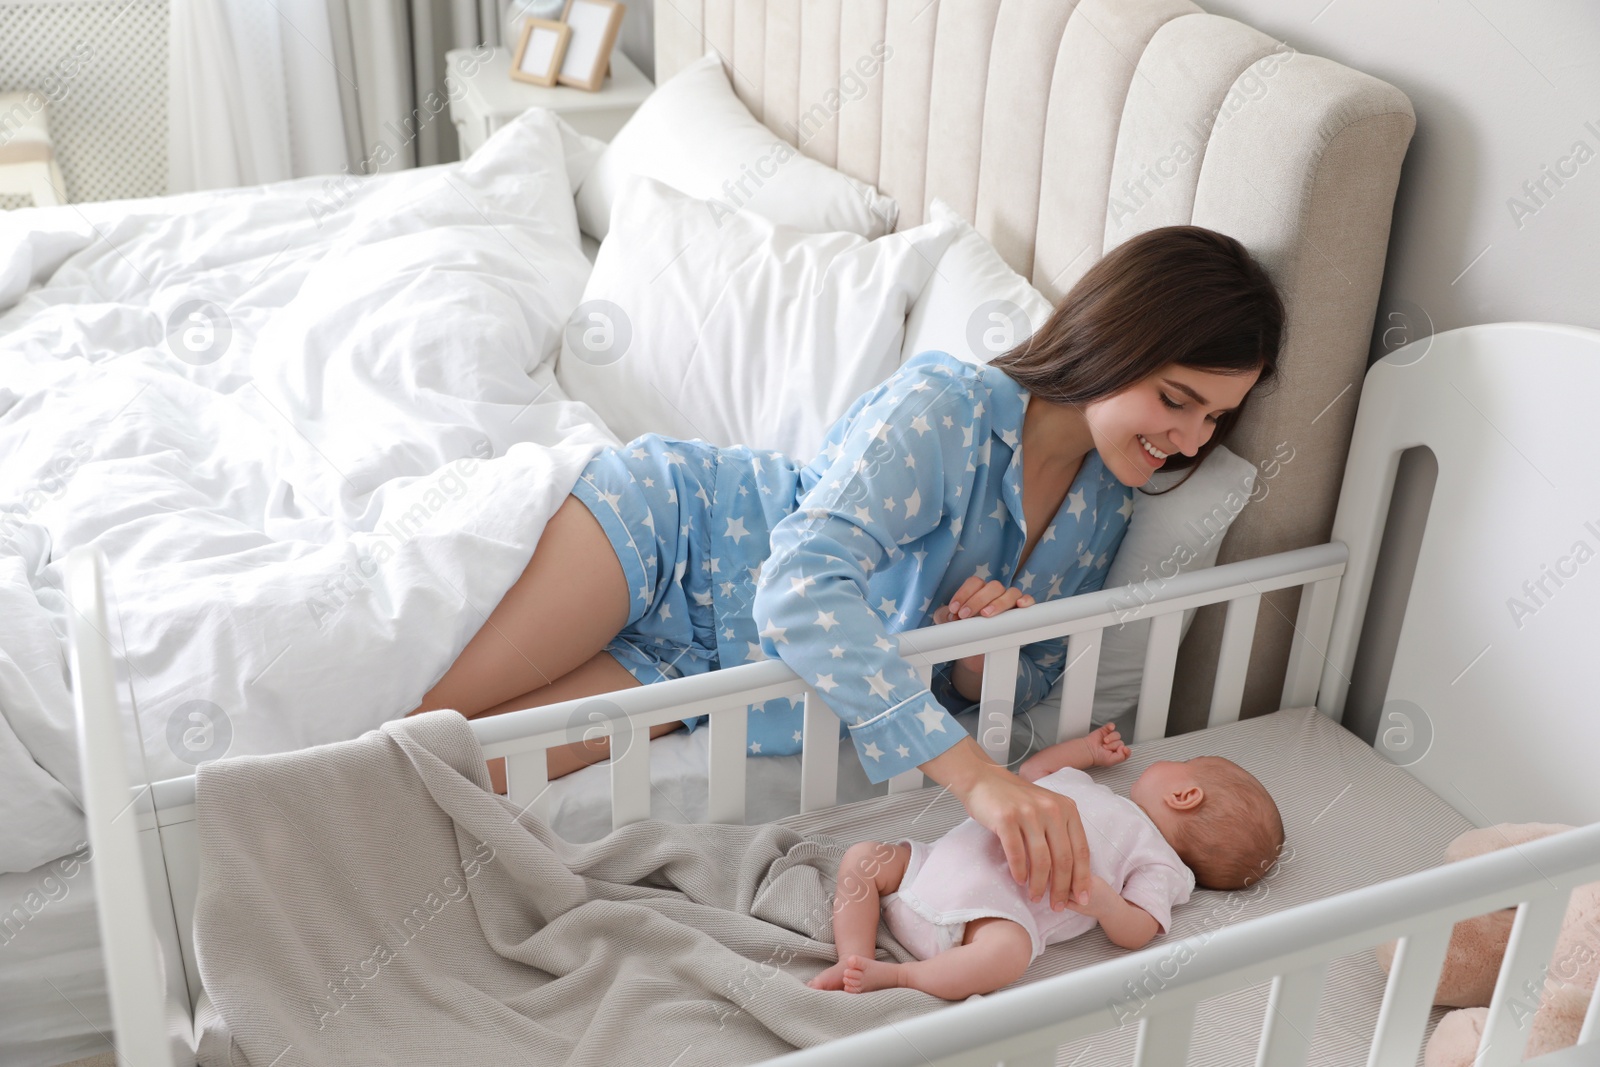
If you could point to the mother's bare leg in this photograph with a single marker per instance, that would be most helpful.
(602, 674)
(554, 621)
(570, 601)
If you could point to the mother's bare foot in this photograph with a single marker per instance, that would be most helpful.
(864, 975)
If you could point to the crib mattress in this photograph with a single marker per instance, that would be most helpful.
(1351, 819)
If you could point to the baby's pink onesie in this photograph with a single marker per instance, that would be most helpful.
(964, 875)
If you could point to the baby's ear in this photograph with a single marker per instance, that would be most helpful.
(1185, 798)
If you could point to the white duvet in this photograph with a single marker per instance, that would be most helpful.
(310, 501)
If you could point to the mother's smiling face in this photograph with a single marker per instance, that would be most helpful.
(1171, 412)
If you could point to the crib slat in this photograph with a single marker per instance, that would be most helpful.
(1155, 691)
(906, 782)
(1520, 985)
(725, 790)
(527, 780)
(1233, 659)
(1077, 696)
(1308, 653)
(1291, 1017)
(1164, 1037)
(997, 703)
(1591, 1020)
(630, 774)
(819, 755)
(1408, 996)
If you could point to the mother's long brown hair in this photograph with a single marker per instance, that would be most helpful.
(1178, 294)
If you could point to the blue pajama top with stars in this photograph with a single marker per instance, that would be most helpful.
(917, 488)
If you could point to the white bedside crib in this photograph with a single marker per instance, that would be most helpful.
(1497, 405)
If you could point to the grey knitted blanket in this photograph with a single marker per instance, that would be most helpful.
(373, 902)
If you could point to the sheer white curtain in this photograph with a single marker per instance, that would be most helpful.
(259, 92)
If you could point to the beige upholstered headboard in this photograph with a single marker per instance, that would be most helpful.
(1061, 130)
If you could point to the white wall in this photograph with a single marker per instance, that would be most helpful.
(638, 36)
(1502, 89)
(100, 67)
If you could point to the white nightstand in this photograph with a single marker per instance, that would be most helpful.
(489, 98)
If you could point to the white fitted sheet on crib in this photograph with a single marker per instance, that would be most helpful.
(1351, 819)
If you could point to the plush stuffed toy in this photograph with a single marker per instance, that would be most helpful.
(1478, 946)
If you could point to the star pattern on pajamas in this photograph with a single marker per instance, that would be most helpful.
(736, 555)
(876, 541)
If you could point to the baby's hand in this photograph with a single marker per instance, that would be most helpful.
(1101, 748)
(1106, 747)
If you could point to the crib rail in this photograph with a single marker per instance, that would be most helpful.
(625, 717)
(1158, 988)
(166, 811)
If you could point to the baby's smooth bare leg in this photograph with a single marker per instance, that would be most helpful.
(869, 871)
(993, 953)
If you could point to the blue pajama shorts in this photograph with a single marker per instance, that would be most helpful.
(654, 513)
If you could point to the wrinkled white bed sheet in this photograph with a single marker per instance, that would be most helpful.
(309, 496)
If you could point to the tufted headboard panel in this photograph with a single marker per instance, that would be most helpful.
(1061, 129)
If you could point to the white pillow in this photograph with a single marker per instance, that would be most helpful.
(738, 331)
(1168, 535)
(975, 306)
(582, 152)
(695, 135)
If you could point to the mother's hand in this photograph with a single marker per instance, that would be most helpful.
(1039, 830)
(978, 597)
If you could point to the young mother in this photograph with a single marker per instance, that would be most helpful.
(947, 491)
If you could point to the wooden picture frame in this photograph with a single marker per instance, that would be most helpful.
(540, 50)
(595, 24)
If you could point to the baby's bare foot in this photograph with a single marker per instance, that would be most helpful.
(832, 978)
(864, 975)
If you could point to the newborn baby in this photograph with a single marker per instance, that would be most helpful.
(955, 906)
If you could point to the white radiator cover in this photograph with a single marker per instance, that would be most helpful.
(102, 67)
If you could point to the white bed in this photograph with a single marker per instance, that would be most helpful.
(219, 479)
(339, 401)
